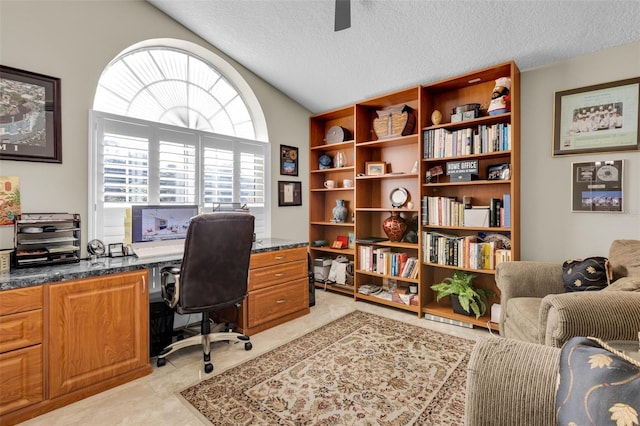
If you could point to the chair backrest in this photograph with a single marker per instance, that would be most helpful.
(215, 264)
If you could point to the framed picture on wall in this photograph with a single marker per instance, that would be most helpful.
(289, 193)
(600, 118)
(288, 160)
(597, 186)
(30, 116)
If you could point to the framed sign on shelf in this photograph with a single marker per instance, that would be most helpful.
(30, 116)
(597, 186)
(598, 118)
(289, 193)
(288, 160)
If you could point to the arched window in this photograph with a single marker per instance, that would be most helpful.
(169, 128)
(173, 87)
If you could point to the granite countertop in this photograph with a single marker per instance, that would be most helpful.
(27, 277)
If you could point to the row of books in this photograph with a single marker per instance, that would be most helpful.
(448, 211)
(442, 143)
(381, 260)
(465, 252)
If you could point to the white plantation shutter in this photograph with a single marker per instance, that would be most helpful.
(141, 162)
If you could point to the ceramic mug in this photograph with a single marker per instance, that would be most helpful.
(330, 184)
(347, 183)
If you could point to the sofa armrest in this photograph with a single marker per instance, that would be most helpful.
(527, 279)
(608, 315)
(510, 382)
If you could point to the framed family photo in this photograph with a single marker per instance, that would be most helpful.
(600, 118)
(30, 128)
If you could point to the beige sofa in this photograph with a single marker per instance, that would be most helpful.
(510, 382)
(535, 307)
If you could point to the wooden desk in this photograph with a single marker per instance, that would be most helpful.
(71, 331)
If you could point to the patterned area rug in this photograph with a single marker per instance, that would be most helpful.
(359, 369)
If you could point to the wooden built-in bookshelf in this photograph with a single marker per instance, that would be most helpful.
(368, 201)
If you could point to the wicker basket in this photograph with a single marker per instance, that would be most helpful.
(5, 260)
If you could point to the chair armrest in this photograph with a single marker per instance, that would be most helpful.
(510, 382)
(608, 315)
(527, 279)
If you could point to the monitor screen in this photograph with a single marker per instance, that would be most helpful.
(160, 222)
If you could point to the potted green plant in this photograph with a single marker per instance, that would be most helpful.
(472, 301)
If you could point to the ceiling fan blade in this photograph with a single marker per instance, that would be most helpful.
(343, 14)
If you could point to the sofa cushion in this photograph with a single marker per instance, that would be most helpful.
(624, 284)
(587, 274)
(597, 385)
(521, 318)
(624, 258)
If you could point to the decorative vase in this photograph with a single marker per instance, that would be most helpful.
(341, 160)
(340, 211)
(394, 226)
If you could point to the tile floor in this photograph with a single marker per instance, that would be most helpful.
(152, 400)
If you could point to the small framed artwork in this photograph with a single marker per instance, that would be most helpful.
(289, 193)
(499, 171)
(30, 128)
(597, 186)
(375, 168)
(116, 250)
(600, 118)
(288, 160)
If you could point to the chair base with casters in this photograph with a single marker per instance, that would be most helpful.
(205, 338)
(171, 294)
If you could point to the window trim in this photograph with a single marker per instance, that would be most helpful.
(95, 226)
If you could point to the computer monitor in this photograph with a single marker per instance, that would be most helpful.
(160, 222)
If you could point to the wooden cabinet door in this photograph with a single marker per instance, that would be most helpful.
(21, 378)
(99, 328)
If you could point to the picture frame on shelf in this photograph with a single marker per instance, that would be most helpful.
(288, 160)
(597, 186)
(34, 132)
(375, 168)
(289, 193)
(598, 118)
(500, 171)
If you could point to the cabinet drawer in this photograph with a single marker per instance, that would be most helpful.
(274, 302)
(20, 330)
(21, 383)
(270, 275)
(259, 260)
(20, 300)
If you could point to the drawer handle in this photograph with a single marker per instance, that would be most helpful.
(281, 301)
(280, 274)
(280, 257)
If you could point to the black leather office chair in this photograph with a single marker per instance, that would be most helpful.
(213, 275)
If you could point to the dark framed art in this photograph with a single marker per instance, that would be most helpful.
(30, 127)
(600, 118)
(288, 160)
(289, 193)
(597, 186)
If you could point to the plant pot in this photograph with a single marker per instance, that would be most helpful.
(457, 308)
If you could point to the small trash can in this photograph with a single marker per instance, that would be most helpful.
(160, 327)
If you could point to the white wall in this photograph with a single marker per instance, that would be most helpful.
(75, 40)
(550, 231)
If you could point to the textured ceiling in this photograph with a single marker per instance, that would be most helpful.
(394, 44)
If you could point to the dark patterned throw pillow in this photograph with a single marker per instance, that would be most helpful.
(597, 385)
(587, 274)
